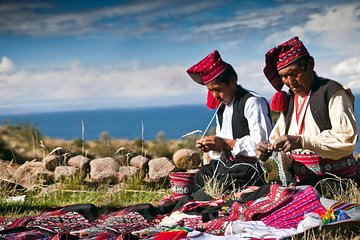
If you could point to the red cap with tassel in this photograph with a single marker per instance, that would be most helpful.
(276, 59)
(206, 71)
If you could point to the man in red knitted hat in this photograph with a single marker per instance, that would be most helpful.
(243, 120)
(317, 127)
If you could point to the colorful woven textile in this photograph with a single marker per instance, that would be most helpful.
(309, 164)
(289, 216)
(182, 183)
(62, 222)
(280, 210)
(277, 197)
(11, 222)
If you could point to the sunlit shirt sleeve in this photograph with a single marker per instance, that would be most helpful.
(256, 113)
(335, 143)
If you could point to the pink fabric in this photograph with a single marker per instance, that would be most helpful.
(277, 197)
(292, 214)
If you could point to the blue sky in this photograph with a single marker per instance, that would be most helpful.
(67, 55)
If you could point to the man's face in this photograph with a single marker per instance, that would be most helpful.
(222, 92)
(298, 80)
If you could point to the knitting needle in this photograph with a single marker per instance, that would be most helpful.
(212, 119)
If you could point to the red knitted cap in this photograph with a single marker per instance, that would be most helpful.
(208, 68)
(280, 57)
(276, 59)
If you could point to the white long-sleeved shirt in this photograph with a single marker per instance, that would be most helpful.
(256, 112)
(335, 143)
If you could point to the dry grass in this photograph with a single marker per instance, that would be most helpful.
(213, 187)
(346, 190)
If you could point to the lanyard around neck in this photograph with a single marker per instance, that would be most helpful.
(300, 110)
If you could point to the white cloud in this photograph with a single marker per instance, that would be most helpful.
(104, 87)
(349, 71)
(335, 29)
(76, 86)
(6, 65)
(348, 67)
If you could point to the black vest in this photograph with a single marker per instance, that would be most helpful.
(322, 90)
(240, 126)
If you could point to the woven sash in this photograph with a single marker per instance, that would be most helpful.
(309, 164)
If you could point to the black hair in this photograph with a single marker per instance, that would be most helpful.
(303, 62)
(226, 76)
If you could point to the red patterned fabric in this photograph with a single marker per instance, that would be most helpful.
(26, 235)
(308, 165)
(292, 214)
(217, 226)
(61, 222)
(182, 184)
(208, 68)
(10, 223)
(277, 197)
(192, 204)
(193, 222)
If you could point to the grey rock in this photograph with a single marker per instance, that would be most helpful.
(160, 168)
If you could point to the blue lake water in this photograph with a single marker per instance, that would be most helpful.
(174, 122)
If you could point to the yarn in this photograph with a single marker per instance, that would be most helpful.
(279, 102)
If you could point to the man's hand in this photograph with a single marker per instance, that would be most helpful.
(264, 151)
(214, 143)
(287, 143)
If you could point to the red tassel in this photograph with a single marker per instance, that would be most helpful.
(173, 235)
(211, 102)
(279, 102)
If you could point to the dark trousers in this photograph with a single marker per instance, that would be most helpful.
(230, 174)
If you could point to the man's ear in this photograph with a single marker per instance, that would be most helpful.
(233, 80)
(310, 63)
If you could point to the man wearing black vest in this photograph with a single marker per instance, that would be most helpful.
(243, 120)
(317, 128)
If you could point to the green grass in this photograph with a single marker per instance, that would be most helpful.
(72, 192)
